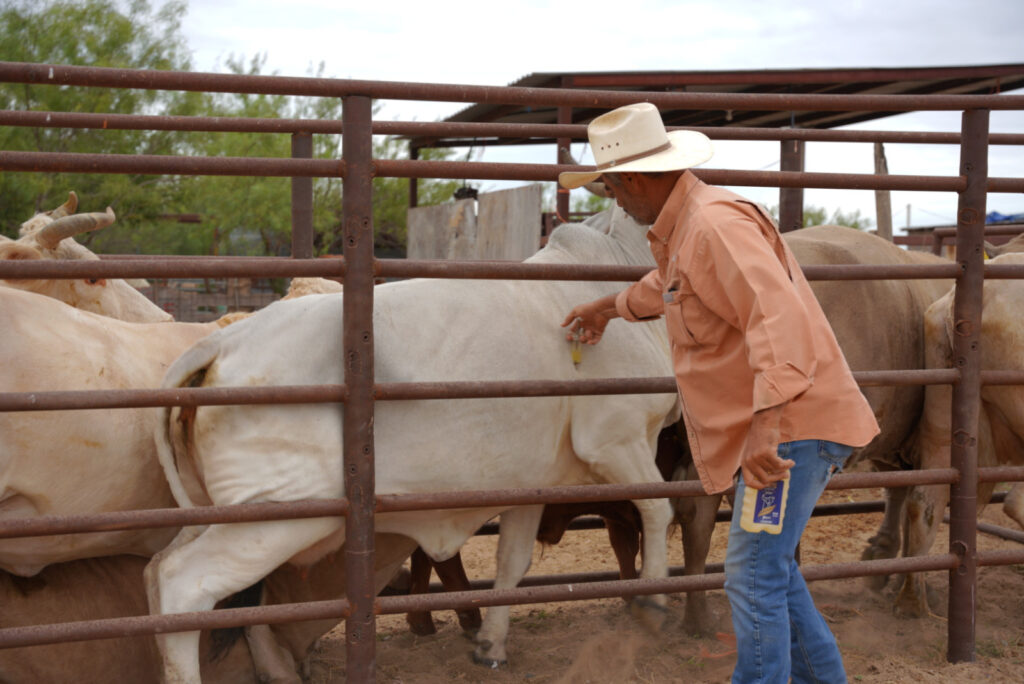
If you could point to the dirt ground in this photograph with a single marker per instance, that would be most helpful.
(596, 641)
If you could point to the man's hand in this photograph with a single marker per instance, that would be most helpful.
(587, 322)
(761, 464)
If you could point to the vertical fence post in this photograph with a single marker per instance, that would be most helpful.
(562, 194)
(360, 627)
(414, 183)
(970, 234)
(791, 200)
(302, 200)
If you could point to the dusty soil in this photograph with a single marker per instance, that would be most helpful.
(597, 642)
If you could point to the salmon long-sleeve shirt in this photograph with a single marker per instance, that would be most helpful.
(746, 331)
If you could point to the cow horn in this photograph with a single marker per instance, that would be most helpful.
(596, 187)
(65, 209)
(991, 250)
(49, 236)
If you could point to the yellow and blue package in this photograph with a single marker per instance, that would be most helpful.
(765, 509)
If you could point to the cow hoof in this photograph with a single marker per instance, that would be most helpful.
(911, 602)
(489, 663)
(422, 628)
(876, 583)
(699, 624)
(649, 612)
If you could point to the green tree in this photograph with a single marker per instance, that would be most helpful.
(819, 216)
(591, 204)
(94, 33)
(250, 215)
(391, 196)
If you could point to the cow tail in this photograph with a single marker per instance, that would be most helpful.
(187, 371)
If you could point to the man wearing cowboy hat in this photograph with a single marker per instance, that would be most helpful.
(765, 390)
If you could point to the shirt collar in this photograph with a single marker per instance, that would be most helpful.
(662, 227)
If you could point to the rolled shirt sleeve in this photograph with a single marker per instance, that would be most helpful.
(642, 301)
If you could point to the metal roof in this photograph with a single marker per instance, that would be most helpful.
(958, 80)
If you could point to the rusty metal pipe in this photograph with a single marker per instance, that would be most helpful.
(473, 131)
(147, 79)
(185, 267)
(174, 517)
(14, 637)
(1001, 474)
(185, 396)
(140, 626)
(404, 391)
(302, 200)
(169, 517)
(418, 168)
(69, 162)
(545, 593)
(176, 267)
(1000, 557)
(967, 306)
(357, 420)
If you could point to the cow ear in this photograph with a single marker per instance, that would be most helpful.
(991, 250)
(17, 251)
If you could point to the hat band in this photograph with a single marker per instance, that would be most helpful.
(634, 157)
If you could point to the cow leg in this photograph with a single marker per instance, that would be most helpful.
(885, 543)
(420, 621)
(273, 664)
(197, 570)
(1013, 505)
(924, 509)
(696, 515)
(656, 515)
(633, 463)
(453, 578)
(625, 541)
(517, 532)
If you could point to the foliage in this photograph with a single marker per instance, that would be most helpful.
(237, 215)
(93, 33)
(591, 203)
(819, 216)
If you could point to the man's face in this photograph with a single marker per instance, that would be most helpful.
(633, 192)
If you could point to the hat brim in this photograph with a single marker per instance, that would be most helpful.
(689, 148)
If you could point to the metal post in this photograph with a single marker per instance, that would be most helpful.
(360, 627)
(562, 194)
(414, 183)
(970, 233)
(883, 198)
(302, 200)
(791, 200)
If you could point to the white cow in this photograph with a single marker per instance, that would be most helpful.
(425, 330)
(84, 461)
(49, 235)
(1000, 426)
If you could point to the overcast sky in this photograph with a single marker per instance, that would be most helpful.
(485, 43)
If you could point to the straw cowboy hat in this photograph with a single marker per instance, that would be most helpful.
(633, 138)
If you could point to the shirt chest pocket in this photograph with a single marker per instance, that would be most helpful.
(689, 322)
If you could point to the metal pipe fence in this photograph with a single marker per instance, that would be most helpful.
(359, 268)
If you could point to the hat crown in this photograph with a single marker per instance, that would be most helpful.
(626, 133)
(633, 139)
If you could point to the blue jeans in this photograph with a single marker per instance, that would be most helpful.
(779, 632)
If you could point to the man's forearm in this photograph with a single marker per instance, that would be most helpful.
(586, 322)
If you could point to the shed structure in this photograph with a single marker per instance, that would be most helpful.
(950, 80)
